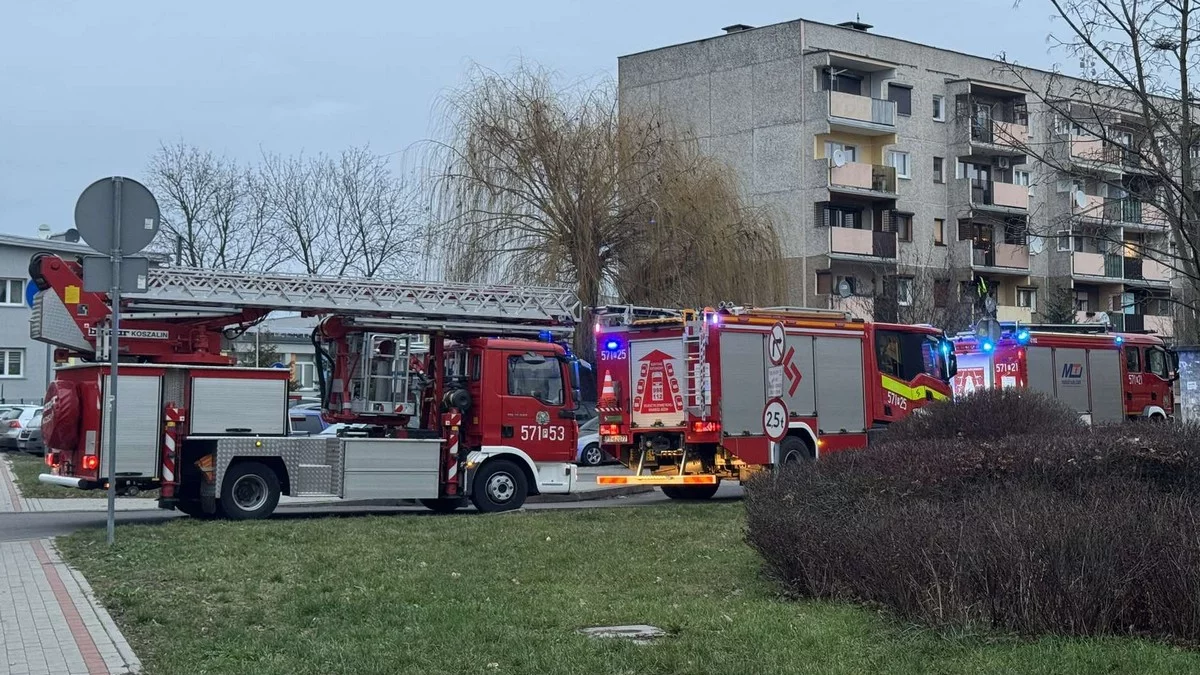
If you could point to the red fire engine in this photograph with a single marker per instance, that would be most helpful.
(1104, 375)
(457, 391)
(689, 398)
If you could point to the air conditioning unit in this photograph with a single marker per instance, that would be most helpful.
(1002, 162)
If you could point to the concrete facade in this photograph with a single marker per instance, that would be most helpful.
(776, 102)
(26, 367)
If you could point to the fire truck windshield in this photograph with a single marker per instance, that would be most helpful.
(906, 355)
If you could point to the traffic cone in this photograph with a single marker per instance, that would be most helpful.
(608, 395)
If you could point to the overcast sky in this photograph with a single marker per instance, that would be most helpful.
(89, 89)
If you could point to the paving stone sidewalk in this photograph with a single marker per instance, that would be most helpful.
(50, 622)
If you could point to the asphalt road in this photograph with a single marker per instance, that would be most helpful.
(38, 525)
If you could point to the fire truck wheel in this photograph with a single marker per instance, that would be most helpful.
(250, 490)
(499, 485)
(443, 505)
(793, 453)
(690, 492)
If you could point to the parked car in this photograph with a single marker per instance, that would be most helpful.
(30, 438)
(590, 453)
(13, 421)
(306, 422)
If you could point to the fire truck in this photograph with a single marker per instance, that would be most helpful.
(1104, 375)
(690, 398)
(459, 392)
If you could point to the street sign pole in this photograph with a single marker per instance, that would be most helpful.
(114, 354)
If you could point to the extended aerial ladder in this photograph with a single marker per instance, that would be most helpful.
(393, 356)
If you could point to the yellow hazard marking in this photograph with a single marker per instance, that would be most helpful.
(911, 393)
(705, 479)
(71, 295)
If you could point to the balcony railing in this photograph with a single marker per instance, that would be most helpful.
(1011, 256)
(862, 108)
(995, 132)
(992, 193)
(873, 177)
(1097, 150)
(862, 242)
(1146, 269)
(1098, 265)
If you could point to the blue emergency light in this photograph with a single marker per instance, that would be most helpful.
(1023, 336)
(612, 345)
(987, 346)
(1118, 339)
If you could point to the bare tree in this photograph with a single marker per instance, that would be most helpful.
(186, 182)
(376, 215)
(1132, 107)
(540, 184)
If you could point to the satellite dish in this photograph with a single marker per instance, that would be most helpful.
(1036, 245)
(1080, 199)
(71, 235)
(843, 289)
(839, 158)
(989, 303)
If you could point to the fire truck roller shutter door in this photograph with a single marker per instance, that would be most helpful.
(799, 392)
(1071, 377)
(743, 382)
(139, 429)
(1106, 390)
(839, 371)
(1039, 365)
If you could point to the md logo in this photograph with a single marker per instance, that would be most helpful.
(1072, 371)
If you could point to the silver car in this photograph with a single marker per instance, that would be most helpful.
(12, 421)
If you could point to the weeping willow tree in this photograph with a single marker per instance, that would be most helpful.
(539, 184)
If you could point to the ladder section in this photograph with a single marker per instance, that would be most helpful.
(417, 299)
(698, 382)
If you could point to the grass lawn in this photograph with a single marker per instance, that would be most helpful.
(26, 467)
(506, 593)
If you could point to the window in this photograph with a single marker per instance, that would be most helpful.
(939, 232)
(906, 355)
(941, 293)
(1064, 240)
(1081, 302)
(305, 423)
(899, 160)
(305, 375)
(904, 226)
(1133, 360)
(1021, 177)
(849, 151)
(904, 291)
(960, 169)
(536, 376)
(850, 282)
(902, 96)
(589, 427)
(13, 362)
(12, 292)
(847, 83)
(1156, 362)
(843, 216)
(938, 177)
(824, 283)
(1027, 298)
(939, 108)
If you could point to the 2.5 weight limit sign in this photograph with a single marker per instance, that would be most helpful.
(775, 419)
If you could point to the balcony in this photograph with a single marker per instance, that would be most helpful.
(1001, 257)
(860, 307)
(1145, 269)
(859, 178)
(1134, 212)
(865, 243)
(1002, 195)
(1007, 134)
(1093, 206)
(861, 114)
(1014, 313)
(1096, 151)
(1097, 265)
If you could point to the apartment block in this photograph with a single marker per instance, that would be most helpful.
(898, 173)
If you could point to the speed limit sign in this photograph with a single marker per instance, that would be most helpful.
(775, 419)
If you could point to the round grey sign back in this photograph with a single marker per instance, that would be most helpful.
(139, 215)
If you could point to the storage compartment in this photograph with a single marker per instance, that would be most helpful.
(238, 405)
(391, 468)
(139, 427)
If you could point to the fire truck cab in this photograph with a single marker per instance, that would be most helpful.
(456, 392)
(690, 398)
(1104, 375)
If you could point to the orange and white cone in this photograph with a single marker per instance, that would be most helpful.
(608, 395)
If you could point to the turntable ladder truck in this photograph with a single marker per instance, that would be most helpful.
(690, 398)
(455, 392)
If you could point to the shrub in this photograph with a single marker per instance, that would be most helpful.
(1084, 533)
(988, 414)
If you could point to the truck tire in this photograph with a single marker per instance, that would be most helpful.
(793, 453)
(499, 485)
(690, 492)
(249, 491)
(444, 505)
